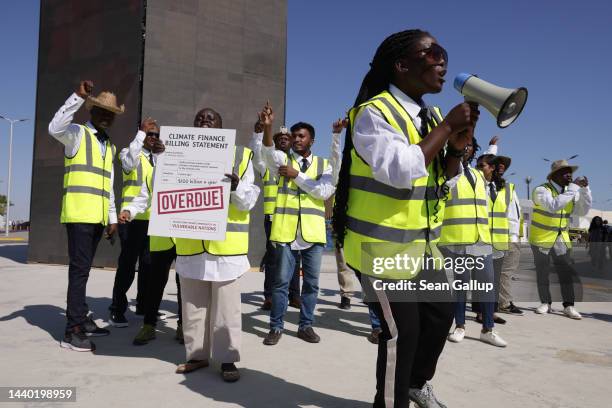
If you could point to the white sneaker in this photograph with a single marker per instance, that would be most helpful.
(543, 308)
(457, 335)
(572, 313)
(493, 338)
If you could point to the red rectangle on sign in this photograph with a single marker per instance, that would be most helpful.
(190, 200)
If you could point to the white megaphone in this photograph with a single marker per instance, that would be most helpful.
(504, 104)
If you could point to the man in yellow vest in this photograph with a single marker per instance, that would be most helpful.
(554, 202)
(298, 226)
(88, 204)
(282, 142)
(209, 272)
(163, 254)
(466, 236)
(389, 198)
(137, 162)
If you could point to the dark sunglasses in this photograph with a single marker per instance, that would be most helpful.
(153, 134)
(433, 54)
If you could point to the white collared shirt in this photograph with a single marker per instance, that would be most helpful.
(581, 196)
(320, 189)
(130, 156)
(70, 134)
(393, 160)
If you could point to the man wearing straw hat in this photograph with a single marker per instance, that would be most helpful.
(88, 204)
(554, 202)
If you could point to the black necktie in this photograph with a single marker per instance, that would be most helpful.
(424, 115)
(493, 192)
(470, 176)
(304, 165)
(151, 159)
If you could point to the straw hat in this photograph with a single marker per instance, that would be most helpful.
(105, 100)
(559, 165)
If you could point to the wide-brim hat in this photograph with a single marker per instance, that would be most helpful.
(505, 160)
(105, 100)
(560, 165)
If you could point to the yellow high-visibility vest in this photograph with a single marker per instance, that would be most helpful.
(132, 182)
(498, 218)
(294, 206)
(87, 182)
(546, 226)
(237, 234)
(379, 213)
(270, 187)
(466, 212)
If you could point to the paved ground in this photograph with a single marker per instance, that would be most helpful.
(551, 361)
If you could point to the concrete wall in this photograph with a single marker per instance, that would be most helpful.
(229, 55)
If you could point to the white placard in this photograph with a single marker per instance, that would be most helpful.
(190, 191)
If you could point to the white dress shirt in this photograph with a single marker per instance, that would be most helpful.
(335, 159)
(70, 134)
(205, 266)
(130, 156)
(320, 189)
(582, 204)
(255, 145)
(393, 160)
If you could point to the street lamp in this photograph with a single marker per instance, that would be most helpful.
(10, 160)
(528, 180)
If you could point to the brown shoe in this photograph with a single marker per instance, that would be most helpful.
(295, 302)
(309, 335)
(229, 372)
(267, 304)
(272, 338)
(373, 337)
(190, 366)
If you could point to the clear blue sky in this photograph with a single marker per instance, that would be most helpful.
(559, 50)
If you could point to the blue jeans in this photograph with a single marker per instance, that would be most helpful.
(374, 320)
(482, 275)
(286, 260)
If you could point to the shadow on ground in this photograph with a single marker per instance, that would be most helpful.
(14, 252)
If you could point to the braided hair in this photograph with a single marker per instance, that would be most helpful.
(377, 79)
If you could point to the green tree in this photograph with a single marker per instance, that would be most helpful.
(3, 204)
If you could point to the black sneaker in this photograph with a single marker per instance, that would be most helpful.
(273, 337)
(117, 320)
(91, 329)
(345, 303)
(77, 340)
(309, 335)
(511, 309)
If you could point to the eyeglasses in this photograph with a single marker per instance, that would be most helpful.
(153, 134)
(433, 54)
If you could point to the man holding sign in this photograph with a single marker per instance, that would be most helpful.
(209, 269)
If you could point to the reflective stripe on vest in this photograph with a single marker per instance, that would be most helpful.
(498, 218)
(294, 206)
(466, 212)
(87, 185)
(132, 182)
(270, 188)
(380, 213)
(237, 234)
(546, 226)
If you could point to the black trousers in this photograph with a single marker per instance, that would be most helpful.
(83, 241)
(161, 261)
(566, 272)
(269, 262)
(412, 339)
(134, 247)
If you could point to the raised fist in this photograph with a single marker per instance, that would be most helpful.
(85, 88)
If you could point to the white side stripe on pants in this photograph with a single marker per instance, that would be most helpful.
(391, 347)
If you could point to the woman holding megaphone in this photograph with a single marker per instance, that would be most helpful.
(395, 161)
